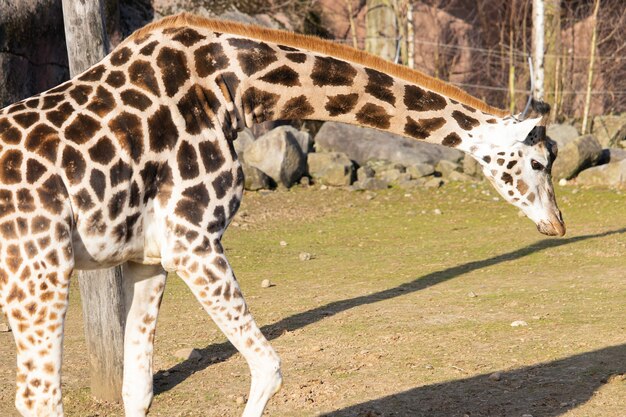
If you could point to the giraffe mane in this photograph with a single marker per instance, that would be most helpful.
(323, 46)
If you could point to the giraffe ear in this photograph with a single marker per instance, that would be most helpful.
(520, 131)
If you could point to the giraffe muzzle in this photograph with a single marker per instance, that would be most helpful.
(552, 227)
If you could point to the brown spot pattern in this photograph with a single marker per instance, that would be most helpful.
(374, 115)
(297, 108)
(331, 71)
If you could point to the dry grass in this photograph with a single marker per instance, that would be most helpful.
(380, 322)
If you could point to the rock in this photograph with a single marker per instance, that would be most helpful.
(282, 243)
(581, 153)
(519, 323)
(437, 211)
(303, 139)
(608, 175)
(371, 184)
(447, 167)
(472, 294)
(362, 145)
(496, 376)
(612, 155)
(434, 183)
(304, 256)
(365, 171)
(266, 283)
(420, 170)
(562, 182)
(412, 183)
(472, 167)
(4, 327)
(619, 139)
(562, 134)
(244, 139)
(279, 155)
(188, 354)
(394, 176)
(240, 400)
(459, 176)
(255, 179)
(305, 181)
(331, 168)
(606, 127)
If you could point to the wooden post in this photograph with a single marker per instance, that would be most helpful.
(101, 291)
(381, 29)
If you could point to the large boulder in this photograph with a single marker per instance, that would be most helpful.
(243, 140)
(362, 144)
(562, 133)
(619, 139)
(278, 155)
(331, 168)
(606, 127)
(611, 175)
(612, 155)
(255, 179)
(579, 154)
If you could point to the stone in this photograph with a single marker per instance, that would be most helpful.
(371, 184)
(608, 175)
(562, 134)
(412, 183)
(303, 139)
(459, 176)
(244, 139)
(393, 176)
(606, 127)
(365, 171)
(472, 294)
(330, 168)
(612, 155)
(519, 323)
(254, 178)
(282, 243)
(472, 167)
(4, 328)
(619, 139)
(304, 256)
(496, 376)
(279, 155)
(434, 183)
(577, 155)
(363, 144)
(240, 400)
(188, 354)
(420, 170)
(437, 212)
(266, 283)
(447, 167)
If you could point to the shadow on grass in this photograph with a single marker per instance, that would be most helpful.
(222, 351)
(548, 390)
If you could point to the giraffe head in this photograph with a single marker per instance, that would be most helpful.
(517, 158)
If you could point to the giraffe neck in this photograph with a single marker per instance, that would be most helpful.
(281, 83)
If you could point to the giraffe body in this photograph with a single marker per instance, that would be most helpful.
(132, 163)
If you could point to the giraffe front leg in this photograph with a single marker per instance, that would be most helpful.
(36, 305)
(143, 290)
(212, 281)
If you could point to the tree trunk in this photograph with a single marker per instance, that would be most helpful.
(32, 48)
(101, 291)
(381, 29)
(592, 56)
(552, 19)
(538, 47)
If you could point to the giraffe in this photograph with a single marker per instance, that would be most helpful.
(132, 162)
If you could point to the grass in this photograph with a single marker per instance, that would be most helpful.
(383, 321)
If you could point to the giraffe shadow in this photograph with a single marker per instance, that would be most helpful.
(547, 389)
(166, 380)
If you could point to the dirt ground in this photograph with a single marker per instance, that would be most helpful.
(400, 311)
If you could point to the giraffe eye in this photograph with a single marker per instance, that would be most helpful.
(536, 165)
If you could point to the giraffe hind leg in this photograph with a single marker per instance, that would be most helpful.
(143, 291)
(212, 281)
